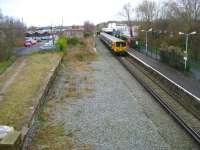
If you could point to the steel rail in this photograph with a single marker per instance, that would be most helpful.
(161, 74)
(189, 129)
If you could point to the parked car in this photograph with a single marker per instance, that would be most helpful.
(33, 42)
(47, 46)
(39, 40)
(46, 38)
(27, 44)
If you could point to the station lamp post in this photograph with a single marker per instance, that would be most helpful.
(186, 45)
(146, 31)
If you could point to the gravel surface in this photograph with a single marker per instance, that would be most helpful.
(118, 114)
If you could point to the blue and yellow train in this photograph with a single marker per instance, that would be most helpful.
(117, 45)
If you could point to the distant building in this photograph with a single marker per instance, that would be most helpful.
(79, 33)
(117, 28)
(48, 32)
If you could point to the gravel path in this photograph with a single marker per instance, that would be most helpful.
(119, 114)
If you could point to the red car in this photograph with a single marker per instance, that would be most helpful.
(27, 44)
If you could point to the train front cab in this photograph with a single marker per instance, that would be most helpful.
(120, 47)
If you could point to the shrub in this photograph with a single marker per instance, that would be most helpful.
(79, 56)
(82, 44)
(173, 56)
(62, 43)
(87, 34)
(73, 41)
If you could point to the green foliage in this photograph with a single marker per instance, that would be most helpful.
(73, 41)
(79, 56)
(4, 65)
(169, 47)
(173, 56)
(62, 43)
(88, 34)
(82, 44)
(41, 118)
(8, 54)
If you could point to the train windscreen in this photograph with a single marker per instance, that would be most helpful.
(120, 44)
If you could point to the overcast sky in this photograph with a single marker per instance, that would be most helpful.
(73, 12)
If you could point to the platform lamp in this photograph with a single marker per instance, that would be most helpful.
(186, 45)
(146, 32)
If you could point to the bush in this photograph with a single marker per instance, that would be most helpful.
(173, 56)
(88, 34)
(79, 56)
(73, 41)
(62, 43)
(82, 44)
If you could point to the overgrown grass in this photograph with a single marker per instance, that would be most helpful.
(5, 64)
(77, 61)
(51, 134)
(74, 41)
(21, 96)
(83, 51)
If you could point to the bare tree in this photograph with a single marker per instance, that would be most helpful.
(147, 11)
(89, 28)
(127, 13)
(173, 16)
(11, 33)
(190, 9)
(185, 11)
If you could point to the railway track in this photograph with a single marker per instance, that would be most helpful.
(188, 121)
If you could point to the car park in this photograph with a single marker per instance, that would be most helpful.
(46, 38)
(48, 46)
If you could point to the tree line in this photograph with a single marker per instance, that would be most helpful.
(11, 35)
(167, 19)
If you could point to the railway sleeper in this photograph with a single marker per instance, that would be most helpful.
(157, 90)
